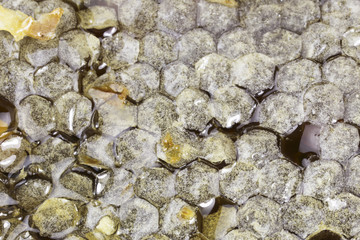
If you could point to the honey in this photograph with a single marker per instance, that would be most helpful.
(21, 25)
(111, 87)
(171, 150)
(186, 213)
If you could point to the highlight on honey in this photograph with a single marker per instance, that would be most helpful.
(171, 150)
(21, 25)
(229, 3)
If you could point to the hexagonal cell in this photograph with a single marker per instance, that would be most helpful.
(303, 215)
(264, 17)
(192, 107)
(279, 180)
(52, 150)
(177, 16)
(116, 115)
(281, 112)
(57, 216)
(197, 183)
(120, 189)
(100, 89)
(260, 215)
(257, 147)
(119, 50)
(281, 45)
(195, 44)
(253, 71)
(138, 16)
(74, 113)
(349, 43)
(156, 114)
(16, 80)
(296, 15)
(231, 105)
(158, 49)
(78, 182)
(343, 72)
(218, 149)
(25, 6)
(156, 185)
(13, 152)
(138, 218)
(323, 179)
(323, 103)
(97, 17)
(176, 77)
(140, 79)
(178, 147)
(9, 49)
(178, 219)
(96, 215)
(340, 15)
(238, 182)
(216, 18)
(343, 214)
(36, 116)
(54, 80)
(338, 142)
(68, 19)
(296, 76)
(219, 221)
(236, 43)
(78, 48)
(32, 193)
(135, 149)
(213, 72)
(320, 41)
(99, 147)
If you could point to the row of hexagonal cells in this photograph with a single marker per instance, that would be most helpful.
(142, 197)
(71, 112)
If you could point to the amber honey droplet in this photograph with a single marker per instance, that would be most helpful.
(171, 150)
(186, 213)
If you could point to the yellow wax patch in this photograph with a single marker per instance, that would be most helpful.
(186, 213)
(172, 151)
(106, 225)
(229, 3)
(21, 25)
